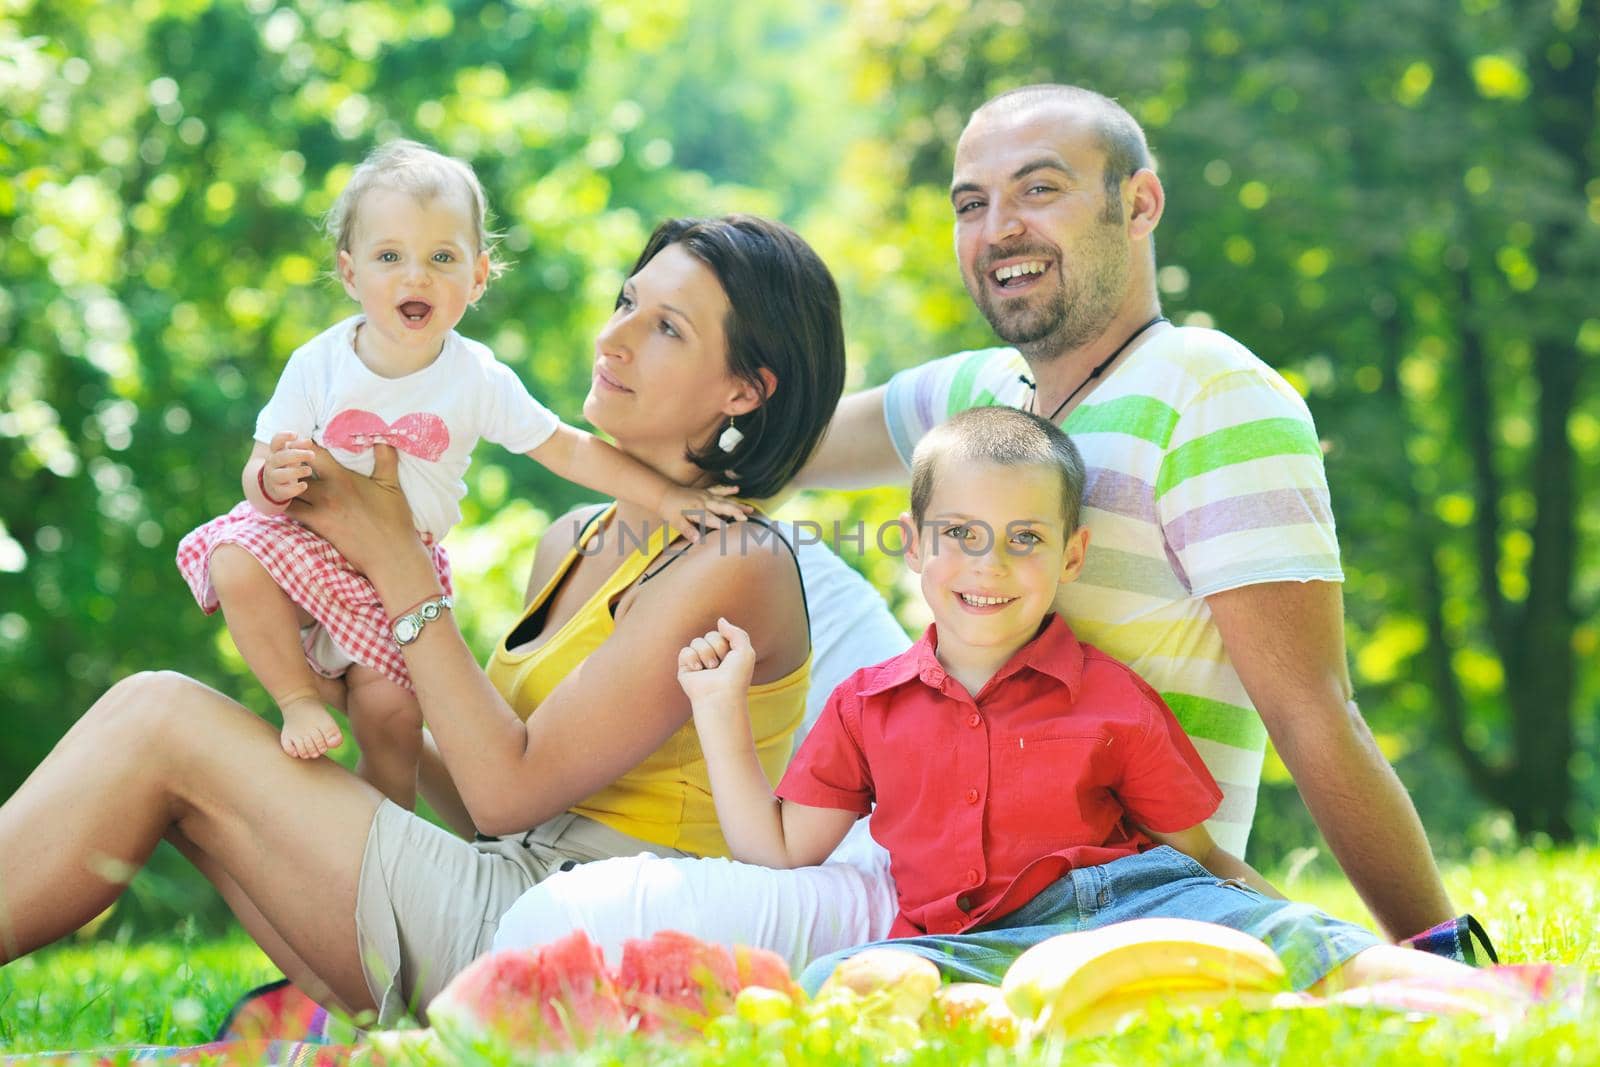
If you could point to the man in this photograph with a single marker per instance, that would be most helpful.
(1214, 570)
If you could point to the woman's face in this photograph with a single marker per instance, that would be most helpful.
(661, 375)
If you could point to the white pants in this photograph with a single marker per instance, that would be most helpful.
(799, 914)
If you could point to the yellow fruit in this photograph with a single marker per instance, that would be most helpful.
(1121, 1009)
(1056, 979)
(760, 1005)
(899, 983)
(979, 1005)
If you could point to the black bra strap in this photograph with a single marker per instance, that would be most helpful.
(777, 531)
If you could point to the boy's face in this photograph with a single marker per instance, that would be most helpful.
(414, 266)
(993, 551)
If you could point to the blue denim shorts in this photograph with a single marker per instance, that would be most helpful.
(1162, 882)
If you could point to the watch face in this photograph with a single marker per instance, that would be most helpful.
(406, 630)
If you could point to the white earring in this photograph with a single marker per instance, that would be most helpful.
(731, 437)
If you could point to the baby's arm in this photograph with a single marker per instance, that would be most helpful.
(1196, 843)
(715, 672)
(583, 458)
(276, 473)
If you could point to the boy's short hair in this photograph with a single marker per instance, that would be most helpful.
(414, 168)
(1004, 436)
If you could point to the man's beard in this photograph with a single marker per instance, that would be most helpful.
(1071, 316)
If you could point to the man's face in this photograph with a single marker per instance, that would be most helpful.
(1042, 249)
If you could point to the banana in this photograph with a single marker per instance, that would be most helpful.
(1120, 1009)
(1067, 974)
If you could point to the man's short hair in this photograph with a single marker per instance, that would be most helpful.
(1121, 137)
(1003, 436)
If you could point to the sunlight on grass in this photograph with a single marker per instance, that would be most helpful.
(1538, 905)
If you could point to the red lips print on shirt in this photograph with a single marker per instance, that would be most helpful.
(421, 434)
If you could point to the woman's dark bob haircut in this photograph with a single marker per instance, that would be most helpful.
(783, 317)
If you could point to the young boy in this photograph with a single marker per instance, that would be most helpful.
(1026, 785)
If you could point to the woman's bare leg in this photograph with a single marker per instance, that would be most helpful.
(265, 625)
(161, 754)
(387, 723)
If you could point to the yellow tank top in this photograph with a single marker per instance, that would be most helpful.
(666, 799)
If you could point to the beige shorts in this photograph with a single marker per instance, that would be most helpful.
(428, 902)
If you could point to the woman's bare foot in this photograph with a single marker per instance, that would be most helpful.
(308, 730)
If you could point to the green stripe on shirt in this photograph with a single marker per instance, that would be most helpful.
(1236, 444)
(1226, 724)
(1143, 417)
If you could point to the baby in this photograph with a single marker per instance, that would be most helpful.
(413, 250)
(1026, 785)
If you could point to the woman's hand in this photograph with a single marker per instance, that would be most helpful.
(368, 520)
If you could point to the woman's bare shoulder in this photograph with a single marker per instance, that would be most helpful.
(558, 539)
(745, 569)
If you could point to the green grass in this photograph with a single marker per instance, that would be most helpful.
(1538, 905)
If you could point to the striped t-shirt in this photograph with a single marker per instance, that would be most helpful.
(1204, 474)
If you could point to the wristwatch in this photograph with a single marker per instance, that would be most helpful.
(408, 627)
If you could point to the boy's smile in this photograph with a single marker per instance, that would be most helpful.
(992, 552)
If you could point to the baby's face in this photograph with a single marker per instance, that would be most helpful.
(414, 266)
(994, 551)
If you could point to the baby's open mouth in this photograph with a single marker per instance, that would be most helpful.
(416, 310)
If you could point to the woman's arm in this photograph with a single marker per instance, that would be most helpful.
(617, 707)
(1196, 843)
(433, 777)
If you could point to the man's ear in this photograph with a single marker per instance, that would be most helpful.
(913, 537)
(347, 273)
(749, 397)
(1077, 548)
(1145, 200)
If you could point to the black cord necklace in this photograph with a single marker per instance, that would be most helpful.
(1098, 370)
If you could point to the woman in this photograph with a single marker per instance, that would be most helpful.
(722, 322)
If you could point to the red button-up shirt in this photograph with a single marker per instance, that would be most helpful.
(983, 802)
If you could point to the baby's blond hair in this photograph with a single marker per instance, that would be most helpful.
(413, 168)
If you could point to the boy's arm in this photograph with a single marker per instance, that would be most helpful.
(715, 671)
(583, 458)
(1196, 843)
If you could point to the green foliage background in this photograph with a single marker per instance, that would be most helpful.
(1398, 205)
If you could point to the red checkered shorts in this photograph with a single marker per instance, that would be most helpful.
(315, 576)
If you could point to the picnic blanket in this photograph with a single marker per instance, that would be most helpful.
(275, 1025)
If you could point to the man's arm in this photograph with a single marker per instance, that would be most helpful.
(856, 453)
(1286, 640)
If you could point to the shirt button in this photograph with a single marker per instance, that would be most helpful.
(964, 902)
(972, 876)
(974, 720)
(972, 796)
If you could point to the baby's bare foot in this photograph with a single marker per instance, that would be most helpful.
(308, 730)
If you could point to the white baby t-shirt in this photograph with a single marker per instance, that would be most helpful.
(433, 417)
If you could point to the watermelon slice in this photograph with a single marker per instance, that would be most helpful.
(556, 996)
(674, 983)
(762, 967)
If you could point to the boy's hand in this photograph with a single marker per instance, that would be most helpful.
(715, 670)
(286, 468)
(689, 509)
